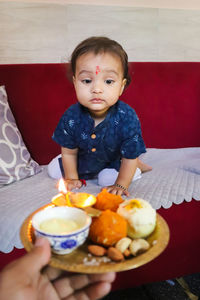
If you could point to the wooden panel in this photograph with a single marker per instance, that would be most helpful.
(48, 32)
(32, 32)
(178, 4)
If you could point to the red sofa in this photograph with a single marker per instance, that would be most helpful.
(166, 97)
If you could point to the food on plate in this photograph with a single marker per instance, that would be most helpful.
(106, 200)
(138, 246)
(124, 248)
(59, 226)
(118, 226)
(108, 228)
(127, 253)
(114, 254)
(123, 244)
(140, 216)
(97, 250)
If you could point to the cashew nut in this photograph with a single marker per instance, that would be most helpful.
(123, 244)
(138, 246)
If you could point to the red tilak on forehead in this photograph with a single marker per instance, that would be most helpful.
(97, 70)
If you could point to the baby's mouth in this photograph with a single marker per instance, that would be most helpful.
(96, 100)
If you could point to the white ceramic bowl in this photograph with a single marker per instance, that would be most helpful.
(63, 243)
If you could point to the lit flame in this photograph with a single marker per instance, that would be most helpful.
(62, 187)
(61, 199)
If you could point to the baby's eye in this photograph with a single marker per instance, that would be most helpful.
(86, 81)
(109, 81)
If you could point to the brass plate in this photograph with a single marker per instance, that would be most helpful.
(73, 262)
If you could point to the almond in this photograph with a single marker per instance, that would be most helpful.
(97, 250)
(114, 254)
(127, 253)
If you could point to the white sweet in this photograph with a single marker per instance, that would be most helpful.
(140, 215)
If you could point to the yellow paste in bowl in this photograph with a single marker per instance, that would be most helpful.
(59, 226)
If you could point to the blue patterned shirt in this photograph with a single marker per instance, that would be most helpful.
(118, 135)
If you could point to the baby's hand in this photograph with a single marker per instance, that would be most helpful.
(71, 184)
(113, 189)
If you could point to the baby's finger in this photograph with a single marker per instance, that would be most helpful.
(126, 193)
(111, 189)
(119, 192)
(69, 186)
(79, 184)
(114, 190)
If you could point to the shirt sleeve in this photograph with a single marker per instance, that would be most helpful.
(133, 144)
(64, 133)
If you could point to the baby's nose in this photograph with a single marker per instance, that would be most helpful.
(97, 87)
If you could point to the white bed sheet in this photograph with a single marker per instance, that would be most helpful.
(175, 177)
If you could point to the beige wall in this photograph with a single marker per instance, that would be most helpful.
(47, 31)
(178, 4)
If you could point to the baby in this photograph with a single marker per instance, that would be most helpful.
(100, 136)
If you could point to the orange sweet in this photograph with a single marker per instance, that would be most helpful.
(106, 200)
(108, 228)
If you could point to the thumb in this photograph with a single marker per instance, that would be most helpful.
(38, 257)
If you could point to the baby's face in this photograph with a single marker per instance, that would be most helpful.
(98, 81)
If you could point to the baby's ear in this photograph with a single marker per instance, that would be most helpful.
(73, 78)
(123, 85)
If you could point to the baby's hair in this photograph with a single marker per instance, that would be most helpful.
(101, 44)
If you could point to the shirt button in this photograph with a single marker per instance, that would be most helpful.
(93, 149)
(93, 136)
